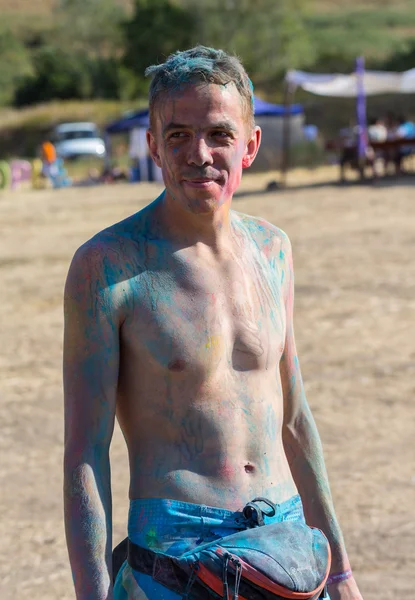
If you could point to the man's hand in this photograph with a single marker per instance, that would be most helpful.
(345, 590)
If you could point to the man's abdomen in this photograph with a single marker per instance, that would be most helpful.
(206, 450)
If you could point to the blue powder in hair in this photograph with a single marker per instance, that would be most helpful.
(190, 65)
(199, 64)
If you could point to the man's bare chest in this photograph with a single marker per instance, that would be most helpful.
(198, 317)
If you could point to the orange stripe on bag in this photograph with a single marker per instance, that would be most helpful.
(212, 581)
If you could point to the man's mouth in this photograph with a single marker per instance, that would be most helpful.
(199, 182)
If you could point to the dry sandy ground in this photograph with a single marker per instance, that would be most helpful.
(355, 306)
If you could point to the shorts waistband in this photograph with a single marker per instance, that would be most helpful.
(175, 527)
(146, 510)
(195, 509)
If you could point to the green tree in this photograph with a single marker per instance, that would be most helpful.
(403, 59)
(269, 35)
(15, 64)
(90, 26)
(55, 75)
(157, 28)
(82, 56)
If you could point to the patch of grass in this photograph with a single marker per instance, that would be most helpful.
(52, 113)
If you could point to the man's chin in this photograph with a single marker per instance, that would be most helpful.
(208, 197)
(203, 204)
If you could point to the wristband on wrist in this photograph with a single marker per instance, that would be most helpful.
(338, 577)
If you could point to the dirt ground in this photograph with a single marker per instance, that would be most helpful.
(354, 251)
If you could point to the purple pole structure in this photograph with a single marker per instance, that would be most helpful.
(361, 109)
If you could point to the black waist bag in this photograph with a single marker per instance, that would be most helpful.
(281, 561)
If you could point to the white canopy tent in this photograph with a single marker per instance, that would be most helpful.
(346, 86)
(359, 84)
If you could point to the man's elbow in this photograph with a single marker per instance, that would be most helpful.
(298, 425)
(83, 461)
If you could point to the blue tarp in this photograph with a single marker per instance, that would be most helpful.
(141, 119)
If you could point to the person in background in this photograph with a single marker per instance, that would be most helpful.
(376, 132)
(405, 130)
(391, 123)
(48, 157)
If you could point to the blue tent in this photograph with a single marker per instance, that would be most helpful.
(266, 109)
(136, 119)
(261, 108)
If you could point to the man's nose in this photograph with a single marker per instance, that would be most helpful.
(199, 153)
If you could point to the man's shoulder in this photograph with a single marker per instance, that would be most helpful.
(263, 233)
(114, 243)
(108, 257)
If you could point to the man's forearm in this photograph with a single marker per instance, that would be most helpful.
(88, 529)
(305, 456)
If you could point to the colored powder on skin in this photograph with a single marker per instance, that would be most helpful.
(213, 342)
(271, 424)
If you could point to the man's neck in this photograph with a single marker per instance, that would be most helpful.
(186, 228)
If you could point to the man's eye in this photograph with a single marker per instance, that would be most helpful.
(221, 134)
(177, 134)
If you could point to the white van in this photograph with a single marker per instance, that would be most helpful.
(73, 140)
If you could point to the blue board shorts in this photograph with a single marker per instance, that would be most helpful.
(174, 528)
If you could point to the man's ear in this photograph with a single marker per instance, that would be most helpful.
(252, 147)
(152, 146)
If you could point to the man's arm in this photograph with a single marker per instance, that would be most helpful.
(91, 358)
(304, 450)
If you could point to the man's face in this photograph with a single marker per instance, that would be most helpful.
(201, 142)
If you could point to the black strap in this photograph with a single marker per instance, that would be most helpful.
(160, 567)
(119, 556)
(140, 559)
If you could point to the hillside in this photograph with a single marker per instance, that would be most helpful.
(318, 6)
(21, 17)
(37, 7)
(377, 28)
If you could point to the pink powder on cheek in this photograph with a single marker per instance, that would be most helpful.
(235, 174)
(233, 183)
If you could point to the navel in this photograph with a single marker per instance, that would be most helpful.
(176, 365)
(249, 468)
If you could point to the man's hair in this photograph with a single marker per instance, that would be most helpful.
(200, 65)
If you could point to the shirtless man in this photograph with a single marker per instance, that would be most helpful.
(179, 320)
